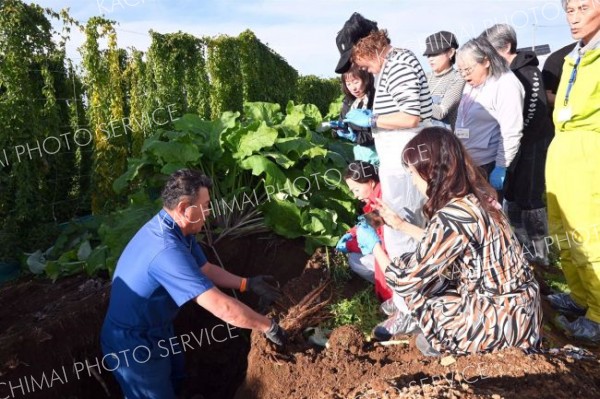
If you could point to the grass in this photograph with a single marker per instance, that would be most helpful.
(556, 279)
(362, 310)
(339, 268)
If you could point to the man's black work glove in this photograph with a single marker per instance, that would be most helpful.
(276, 334)
(265, 287)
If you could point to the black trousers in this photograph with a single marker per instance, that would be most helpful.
(526, 182)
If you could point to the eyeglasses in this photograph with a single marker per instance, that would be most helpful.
(467, 70)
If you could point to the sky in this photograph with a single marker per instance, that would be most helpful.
(304, 31)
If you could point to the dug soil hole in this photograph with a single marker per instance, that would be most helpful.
(45, 327)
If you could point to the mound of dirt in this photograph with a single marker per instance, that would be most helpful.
(345, 339)
(351, 367)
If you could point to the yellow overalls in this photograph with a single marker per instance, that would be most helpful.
(573, 178)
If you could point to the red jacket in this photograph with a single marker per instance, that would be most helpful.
(381, 289)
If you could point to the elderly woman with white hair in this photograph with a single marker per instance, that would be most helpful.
(526, 183)
(490, 114)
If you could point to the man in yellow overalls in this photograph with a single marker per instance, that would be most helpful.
(573, 174)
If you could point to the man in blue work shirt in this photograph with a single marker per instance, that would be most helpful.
(162, 268)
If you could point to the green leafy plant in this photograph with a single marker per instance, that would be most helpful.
(36, 188)
(270, 79)
(70, 254)
(361, 310)
(269, 171)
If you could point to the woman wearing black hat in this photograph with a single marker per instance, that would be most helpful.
(402, 105)
(445, 83)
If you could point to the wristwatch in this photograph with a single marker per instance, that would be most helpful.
(374, 118)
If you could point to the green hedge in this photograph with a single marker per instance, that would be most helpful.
(176, 73)
(267, 76)
(226, 93)
(318, 91)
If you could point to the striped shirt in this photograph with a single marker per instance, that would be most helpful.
(402, 86)
(446, 90)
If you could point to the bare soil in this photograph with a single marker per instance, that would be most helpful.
(351, 367)
(45, 327)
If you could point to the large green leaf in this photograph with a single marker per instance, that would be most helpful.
(315, 241)
(191, 123)
(36, 262)
(335, 108)
(312, 115)
(283, 217)
(260, 111)
(280, 159)
(229, 119)
(255, 141)
(122, 182)
(318, 221)
(170, 168)
(262, 166)
(343, 148)
(97, 260)
(174, 152)
(299, 146)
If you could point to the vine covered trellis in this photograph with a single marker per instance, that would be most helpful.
(102, 79)
(38, 183)
(69, 130)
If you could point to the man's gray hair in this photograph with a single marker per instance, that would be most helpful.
(480, 49)
(594, 3)
(500, 36)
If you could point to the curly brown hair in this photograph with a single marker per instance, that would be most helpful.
(442, 161)
(371, 46)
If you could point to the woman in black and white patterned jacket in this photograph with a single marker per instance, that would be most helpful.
(467, 284)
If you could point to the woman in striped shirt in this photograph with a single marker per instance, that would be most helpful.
(468, 283)
(445, 82)
(402, 104)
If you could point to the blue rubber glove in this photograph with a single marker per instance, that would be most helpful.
(348, 135)
(367, 238)
(359, 117)
(497, 177)
(341, 244)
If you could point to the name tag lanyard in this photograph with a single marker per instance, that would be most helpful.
(572, 79)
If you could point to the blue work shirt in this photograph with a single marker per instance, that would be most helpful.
(158, 271)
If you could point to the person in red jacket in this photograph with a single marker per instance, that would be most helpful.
(363, 181)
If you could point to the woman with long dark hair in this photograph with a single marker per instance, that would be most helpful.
(359, 91)
(468, 283)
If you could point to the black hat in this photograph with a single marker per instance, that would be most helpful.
(439, 42)
(355, 28)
